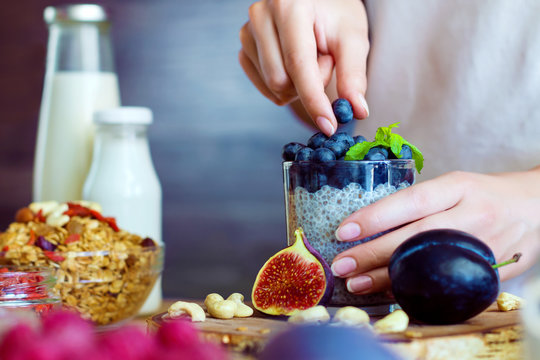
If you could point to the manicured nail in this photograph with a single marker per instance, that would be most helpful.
(325, 125)
(359, 284)
(364, 104)
(343, 266)
(347, 232)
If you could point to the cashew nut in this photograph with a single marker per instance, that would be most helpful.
(314, 314)
(222, 309)
(351, 316)
(194, 310)
(242, 310)
(46, 207)
(508, 302)
(56, 217)
(212, 298)
(396, 321)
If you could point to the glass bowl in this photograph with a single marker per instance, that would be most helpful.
(103, 286)
(319, 196)
(27, 288)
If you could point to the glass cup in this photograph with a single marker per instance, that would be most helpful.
(319, 196)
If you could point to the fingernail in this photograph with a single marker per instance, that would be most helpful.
(359, 284)
(325, 125)
(364, 103)
(343, 266)
(348, 231)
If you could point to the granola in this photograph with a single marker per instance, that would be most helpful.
(104, 272)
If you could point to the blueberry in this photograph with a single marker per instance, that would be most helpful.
(406, 153)
(377, 153)
(316, 180)
(380, 174)
(44, 244)
(343, 110)
(290, 150)
(400, 176)
(339, 148)
(343, 136)
(323, 155)
(317, 140)
(344, 174)
(359, 139)
(304, 154)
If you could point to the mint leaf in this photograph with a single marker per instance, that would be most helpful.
(417, 157)
(396, 143)
(358, 151)
(385, 137)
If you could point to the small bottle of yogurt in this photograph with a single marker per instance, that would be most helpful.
(122, 177)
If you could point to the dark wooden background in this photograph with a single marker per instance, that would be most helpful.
(216, 142)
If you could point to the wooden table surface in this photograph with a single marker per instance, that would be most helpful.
(490, 335)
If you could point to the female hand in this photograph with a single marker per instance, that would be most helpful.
(290, 48)
(500, 209)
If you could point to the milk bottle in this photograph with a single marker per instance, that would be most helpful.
(79, 80)
(123, 180)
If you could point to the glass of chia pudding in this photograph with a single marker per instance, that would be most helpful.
(319, 196)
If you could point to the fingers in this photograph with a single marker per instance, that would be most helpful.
(299, 49)
(268, 49)
(351, 52)
(373, 281)
(402, 207)
(376, 253)
(253, 75)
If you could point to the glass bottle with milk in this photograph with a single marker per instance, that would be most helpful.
(123, 180)
(79, 79)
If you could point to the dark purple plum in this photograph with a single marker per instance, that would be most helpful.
(317, 140)
(443, 276)
(445, 236)
(343, 110)
(323, 342)
(289, 150)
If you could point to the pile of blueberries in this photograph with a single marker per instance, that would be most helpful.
(321, 148)
(314, 165)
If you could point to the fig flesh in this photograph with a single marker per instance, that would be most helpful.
(443, 276)
(295, 278)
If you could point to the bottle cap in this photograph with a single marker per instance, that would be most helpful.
(77, 13)
(124, 115)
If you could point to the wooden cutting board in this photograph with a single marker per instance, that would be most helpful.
(490, 335)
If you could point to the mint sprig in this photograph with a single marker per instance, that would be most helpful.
(385, 137)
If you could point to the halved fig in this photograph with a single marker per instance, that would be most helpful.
(296, 278)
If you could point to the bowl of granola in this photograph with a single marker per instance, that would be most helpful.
(103, 272)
